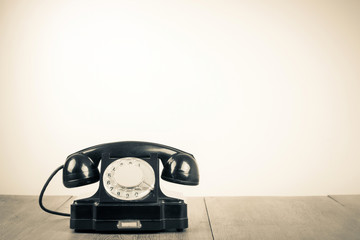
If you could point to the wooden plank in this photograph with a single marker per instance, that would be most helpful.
(19, 214)
(199, 227)
(57, 227)
(350, 203)
(280, 218)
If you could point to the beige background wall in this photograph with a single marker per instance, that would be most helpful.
(266, 94)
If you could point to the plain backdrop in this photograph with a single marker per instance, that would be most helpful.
(265, 94)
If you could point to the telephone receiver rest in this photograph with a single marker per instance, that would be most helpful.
(81, 168)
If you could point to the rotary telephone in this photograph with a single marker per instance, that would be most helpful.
(129, 197)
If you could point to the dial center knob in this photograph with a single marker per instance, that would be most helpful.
(128, 176)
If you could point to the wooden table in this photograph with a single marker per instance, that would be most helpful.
(326, 217)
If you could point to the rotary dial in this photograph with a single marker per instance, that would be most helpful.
(129, 178)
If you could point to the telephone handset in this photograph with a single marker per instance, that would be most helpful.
(129, 195)
(81, 167)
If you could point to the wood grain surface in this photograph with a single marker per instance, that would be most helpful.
(280, 218)
(20, 214)
(23, 219)
(326, 217)
(349, 202)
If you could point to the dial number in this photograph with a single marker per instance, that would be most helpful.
(129, 179)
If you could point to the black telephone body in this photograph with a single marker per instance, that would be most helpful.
(129, 197)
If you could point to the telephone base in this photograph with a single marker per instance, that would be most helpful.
(92, 215)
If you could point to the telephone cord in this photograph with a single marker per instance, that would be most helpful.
(42, 193)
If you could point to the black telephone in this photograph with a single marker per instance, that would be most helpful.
(129, 195)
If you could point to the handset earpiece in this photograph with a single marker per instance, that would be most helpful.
(181, 168)
(79, 170)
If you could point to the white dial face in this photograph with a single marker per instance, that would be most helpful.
(129, 178)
